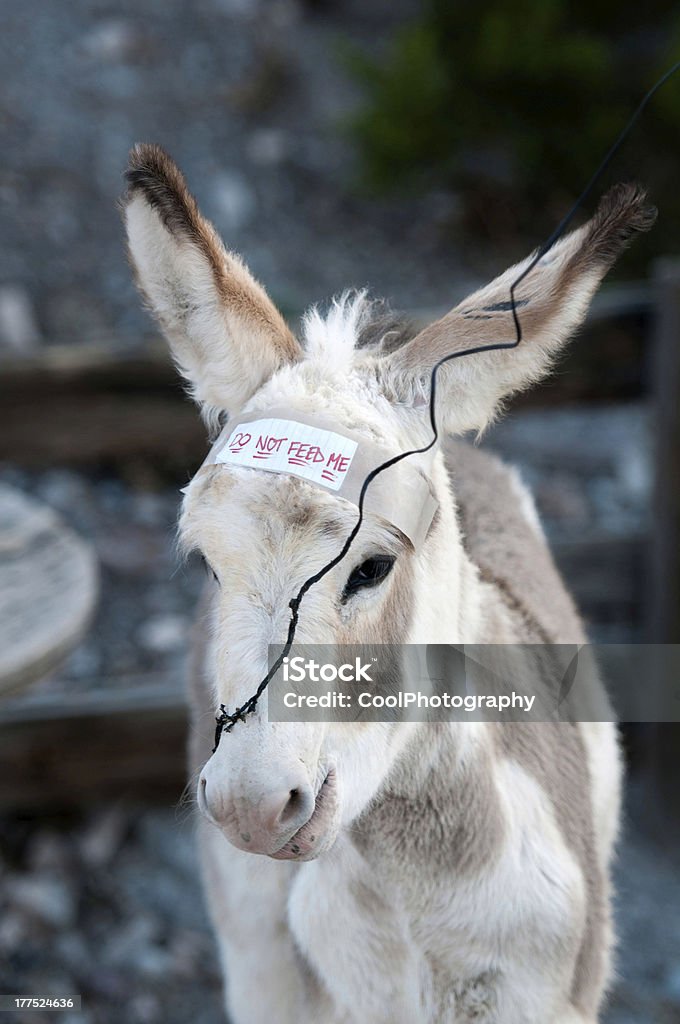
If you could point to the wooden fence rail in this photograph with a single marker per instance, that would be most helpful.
(90, 407)
(663, 594)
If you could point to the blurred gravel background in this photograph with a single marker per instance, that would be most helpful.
(251, 98)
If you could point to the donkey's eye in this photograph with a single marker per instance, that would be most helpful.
(368, 574)
(209, 569)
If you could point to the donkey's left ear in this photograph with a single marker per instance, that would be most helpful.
(551, 302)
(226, 335)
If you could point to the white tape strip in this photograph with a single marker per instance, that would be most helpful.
(287, 446)
(307, 447)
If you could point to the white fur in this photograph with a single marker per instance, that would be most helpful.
(526, 503)
(330, 339)
(509, 922)
(341, 939)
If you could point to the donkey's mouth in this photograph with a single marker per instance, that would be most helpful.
(313, 838)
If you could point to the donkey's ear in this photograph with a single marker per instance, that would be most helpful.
(550, 302)
(226, 335)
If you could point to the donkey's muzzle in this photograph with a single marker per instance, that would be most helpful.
(253, 818)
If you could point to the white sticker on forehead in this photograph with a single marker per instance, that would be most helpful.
(287, 446)
(306, 447)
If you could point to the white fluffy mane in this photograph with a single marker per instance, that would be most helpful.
(331, 336)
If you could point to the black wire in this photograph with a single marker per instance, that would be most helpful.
(226, 721)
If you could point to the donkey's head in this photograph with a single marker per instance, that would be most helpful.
(285, 789)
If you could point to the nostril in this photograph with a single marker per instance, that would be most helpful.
(292, 807)
(202, 796)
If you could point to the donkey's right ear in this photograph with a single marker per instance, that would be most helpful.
(226, 335)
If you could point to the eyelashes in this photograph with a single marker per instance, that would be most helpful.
(370, 573)
(209, 570)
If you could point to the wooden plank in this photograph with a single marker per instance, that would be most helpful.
(98, 697)
(664, 547)
(93, 405)
(88, 405)
(100, 745)
(605, 576)
(664, 550)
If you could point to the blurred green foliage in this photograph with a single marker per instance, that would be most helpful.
(512, 105)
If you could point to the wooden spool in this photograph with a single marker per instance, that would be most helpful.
(48, 589)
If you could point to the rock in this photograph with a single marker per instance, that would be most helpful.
(19, 330)
(13, 930)
(49, 900)
(127, 548)
(267, 147)
(164, 633)
(154, 962)
(64, 490)
(672, 983)
(126, 945)
(48, 851)
(111, 986)
(111, 41)
(233, 200)
(74, 951)
(154, 509)
(238, 8)
(189, 949)
(85, 662)
(146, 1009)
(103, 837)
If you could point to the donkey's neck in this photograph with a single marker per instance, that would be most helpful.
(450, 598)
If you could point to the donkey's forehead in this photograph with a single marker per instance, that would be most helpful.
(224, 487)
(229, 506)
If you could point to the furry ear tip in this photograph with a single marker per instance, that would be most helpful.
(622, 213)
(150, 158)
(151, 170)
(626, 204)
(154, 177)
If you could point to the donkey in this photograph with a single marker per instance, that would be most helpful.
(408, 872)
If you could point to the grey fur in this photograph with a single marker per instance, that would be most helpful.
(517, 561)
(460, 823)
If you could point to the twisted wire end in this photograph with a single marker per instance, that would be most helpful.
(226, 722)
